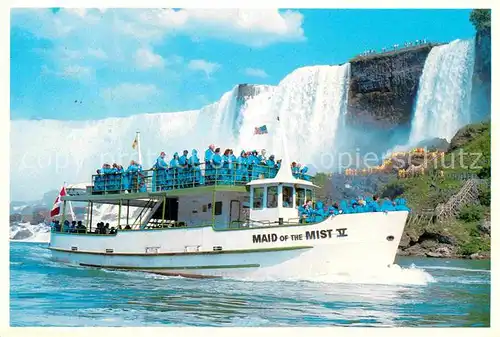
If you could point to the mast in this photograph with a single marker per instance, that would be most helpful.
(285, 171)
(138, 137)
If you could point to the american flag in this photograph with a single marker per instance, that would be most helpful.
(260, 130)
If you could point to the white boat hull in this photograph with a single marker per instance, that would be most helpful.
(341, 243)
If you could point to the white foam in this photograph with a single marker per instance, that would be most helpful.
(394, 275)
(37, 233)
(457, 269)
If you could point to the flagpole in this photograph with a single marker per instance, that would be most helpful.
(70, 205)
(138, 136)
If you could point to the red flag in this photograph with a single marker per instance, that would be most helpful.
(57, 204)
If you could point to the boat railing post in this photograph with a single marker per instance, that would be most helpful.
(63, 215)
(119, 212)
(88, 215)
(213, 207)
(163, 211)
(91, 212)
(128, 210)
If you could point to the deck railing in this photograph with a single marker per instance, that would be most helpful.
(174, 178)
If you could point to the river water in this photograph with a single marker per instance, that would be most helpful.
(423, 292)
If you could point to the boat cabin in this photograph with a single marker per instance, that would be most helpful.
(225, 199)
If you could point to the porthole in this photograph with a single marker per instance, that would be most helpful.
(390, 238)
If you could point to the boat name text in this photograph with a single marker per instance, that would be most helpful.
(308, 235)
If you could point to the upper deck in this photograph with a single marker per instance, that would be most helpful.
(174, 181)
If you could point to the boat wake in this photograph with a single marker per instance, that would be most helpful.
(393, 275)
(457, 269)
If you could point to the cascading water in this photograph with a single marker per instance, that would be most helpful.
(310, 103)
(444, 93)
(46, 153)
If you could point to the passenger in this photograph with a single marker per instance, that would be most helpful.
(309, 211)
(80, 228)
(224, 171)
(271, 167)
(119, 227)
(66, 226)
(303, 174)
(58, 225)
(253, 163)
(232, 165)
(128, 227)
(72, 228)
(387, 206)
(319, 212)
(343, 206)
(217, 165)
(401, 205)
(295, 169)
(132, 177)
(278, 165)
(194, 163)
(334, 209)
(184, 169)
(287, 199)
(106, 228)
(262, 157)
(242, 167)
(160, 174)
(173, 172)
(209, 170)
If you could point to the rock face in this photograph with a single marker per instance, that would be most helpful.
(22, 234)
(466, 134)
(383, 89)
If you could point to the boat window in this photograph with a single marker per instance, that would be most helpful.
(301, 197)
(258, 197)
(308, 194)
(218, 207)
(287, 196)
(272, 197)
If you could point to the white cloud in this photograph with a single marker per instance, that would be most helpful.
(251, 27)
(130, 92)
(146, 58)
(255, 72)
(76, 71)
(201, 65)
(97, 53)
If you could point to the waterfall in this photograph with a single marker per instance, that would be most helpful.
(310, 103)
(444, 93)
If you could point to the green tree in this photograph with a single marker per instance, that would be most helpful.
(481, 19)
(471, 213)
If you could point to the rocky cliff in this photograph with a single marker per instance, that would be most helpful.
(383, 89)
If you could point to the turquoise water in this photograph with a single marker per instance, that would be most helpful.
(425, 292)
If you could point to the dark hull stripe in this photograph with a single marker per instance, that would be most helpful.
(230, 266)
(215, 252)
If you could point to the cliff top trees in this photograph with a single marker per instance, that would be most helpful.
(481, 19)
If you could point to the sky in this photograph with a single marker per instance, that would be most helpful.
(85, 64)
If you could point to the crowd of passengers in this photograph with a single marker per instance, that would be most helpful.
(185, 170)
(70, 227)
(316, 212)
(78, 227)
(309, 212)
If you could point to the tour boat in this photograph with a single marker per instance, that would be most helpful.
(211, 223)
